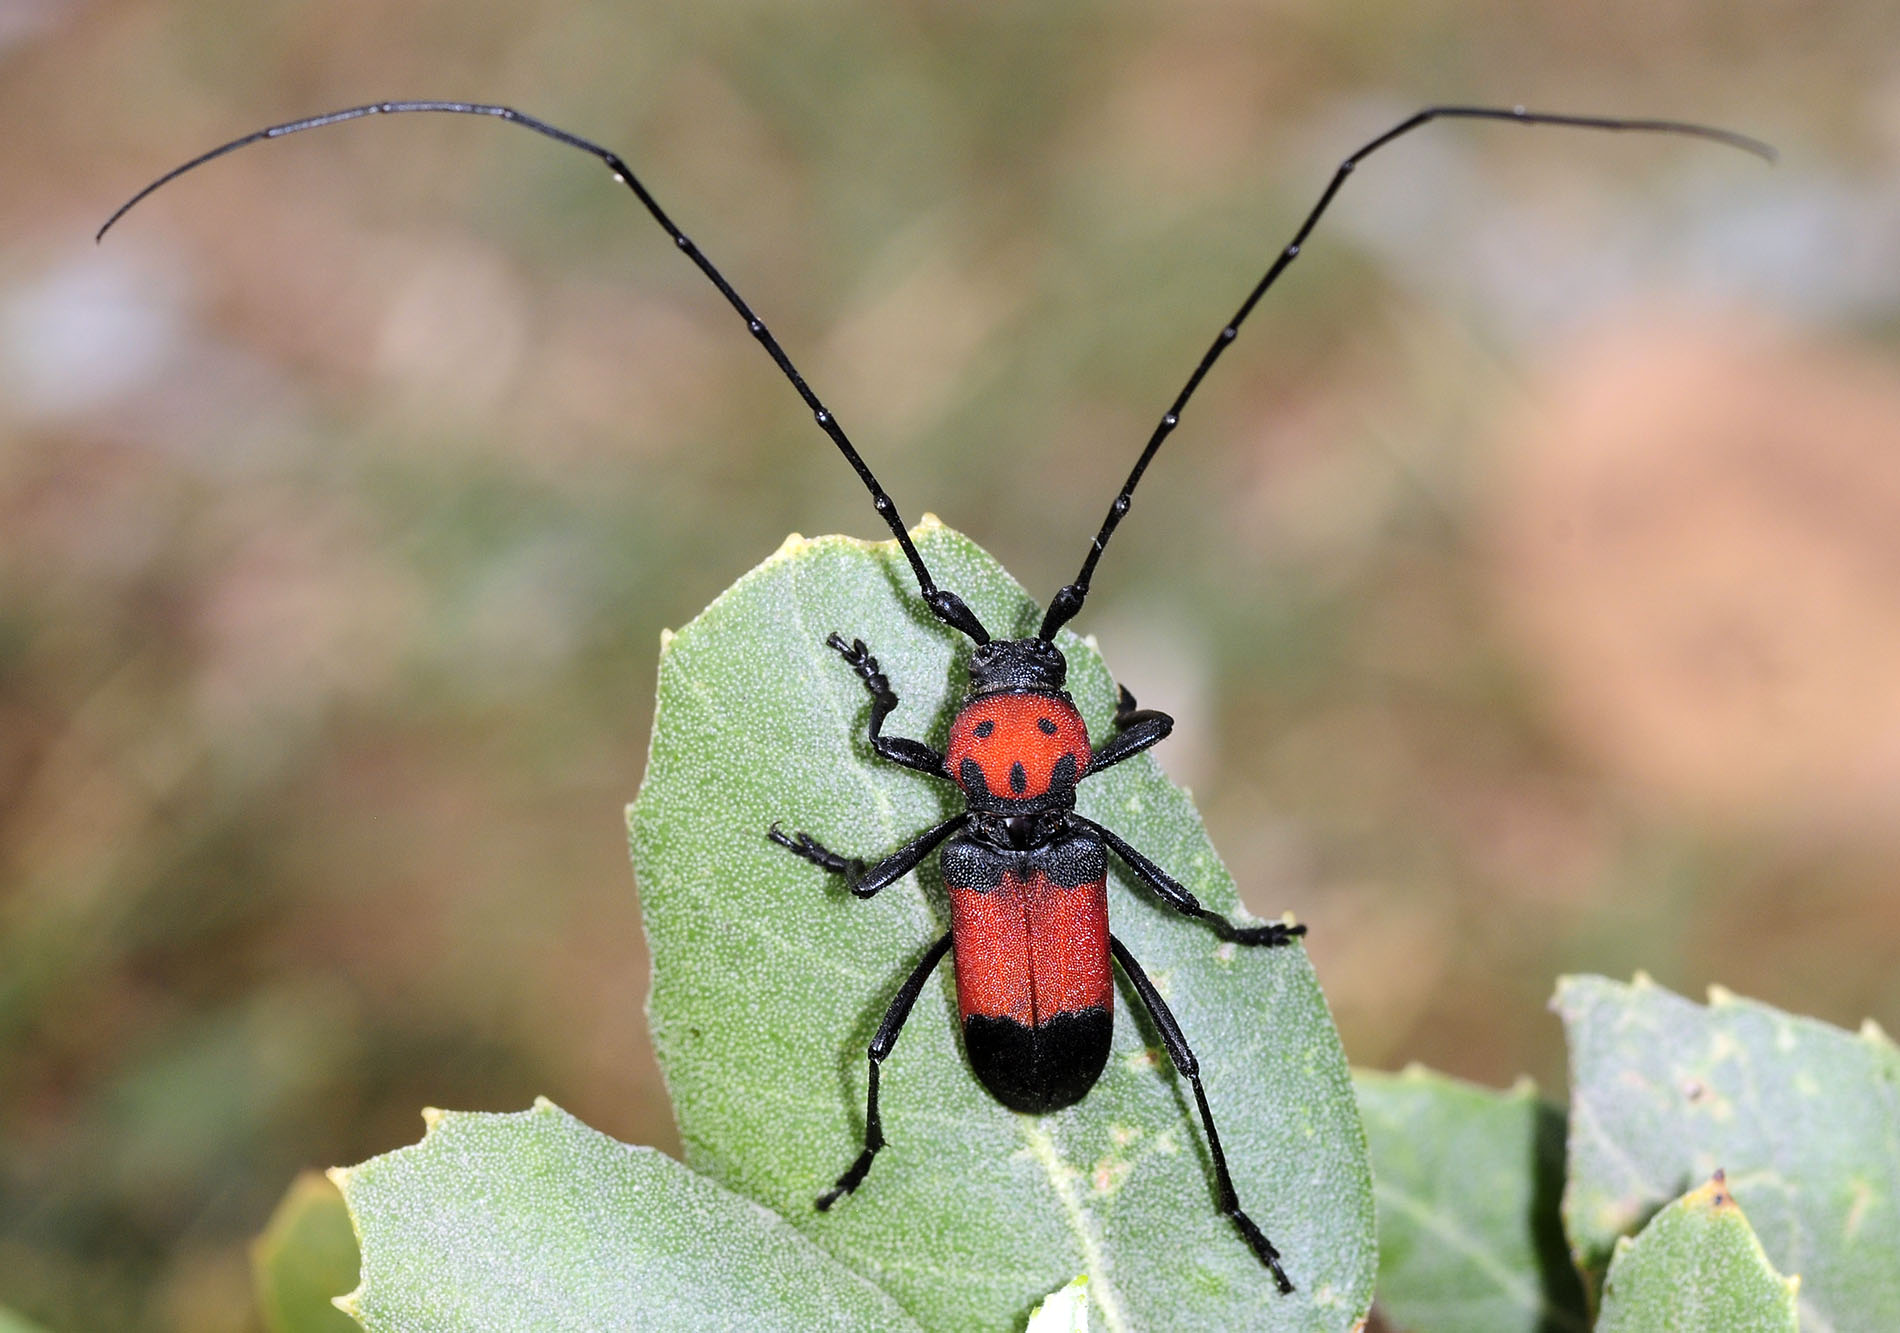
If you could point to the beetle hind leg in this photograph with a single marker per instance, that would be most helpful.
(881, 1046)
(1189, 1068)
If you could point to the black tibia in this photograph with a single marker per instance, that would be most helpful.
(1181, 900)
(860, 880)
(897, 749)
(1135, 730)
(881, 1045)
(1190, 1069)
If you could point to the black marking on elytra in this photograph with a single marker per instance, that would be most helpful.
(1018, 778)
(1043, 1068)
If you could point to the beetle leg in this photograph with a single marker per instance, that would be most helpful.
(881, 1045)
(898, 749)
(858, 878)
(1190, 1069)
(1176, 896)
(1136, 729)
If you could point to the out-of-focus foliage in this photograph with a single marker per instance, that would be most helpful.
(12, 1323)
(1468, 1182)
(305, 1259)
(1803, 1118)
(1697, 1268)
(1521, 580)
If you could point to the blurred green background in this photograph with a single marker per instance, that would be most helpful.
(1526, 581)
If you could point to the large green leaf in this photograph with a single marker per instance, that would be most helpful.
(1468, 1182)
(533, 1222)
(1696, 1268)
(305, 1258)
(768, 980)
(13, 1323)
(1804, 1117)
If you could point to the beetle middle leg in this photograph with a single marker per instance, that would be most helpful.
(860, 879)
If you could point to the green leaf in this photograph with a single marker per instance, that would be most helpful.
(1804, 1117)
(1066, 1311)
(13, 1323)
(1468, 1183)
(533, 1221)
(769, 979)
(1696, 1268)
(305, 1258)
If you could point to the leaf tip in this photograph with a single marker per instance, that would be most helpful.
(431, 1117)
(1874, 1035)
(1720, 995)
(666, 640)
(544, 1105)
(339, 1176)
(1641, 980)
(927, 522)
(350, 1303)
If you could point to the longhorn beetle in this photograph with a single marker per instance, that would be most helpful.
(1027, 876)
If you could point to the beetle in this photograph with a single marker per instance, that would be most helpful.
(1026, 875)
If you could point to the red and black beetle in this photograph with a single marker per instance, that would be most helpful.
(1027, 876)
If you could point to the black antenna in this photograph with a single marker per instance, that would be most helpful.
(1069, 598)
(947, 606)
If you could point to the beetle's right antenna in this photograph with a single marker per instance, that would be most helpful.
(1069, 597)
(947, 606)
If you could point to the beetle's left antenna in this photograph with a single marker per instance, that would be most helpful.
(946, 605)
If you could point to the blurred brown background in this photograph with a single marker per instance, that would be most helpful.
(1526, 581)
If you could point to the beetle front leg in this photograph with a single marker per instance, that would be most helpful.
(1136, 729)
(898, 749)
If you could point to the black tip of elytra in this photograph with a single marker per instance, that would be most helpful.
(1018, 778)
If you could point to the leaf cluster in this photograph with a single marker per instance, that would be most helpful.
(1706, 1152)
